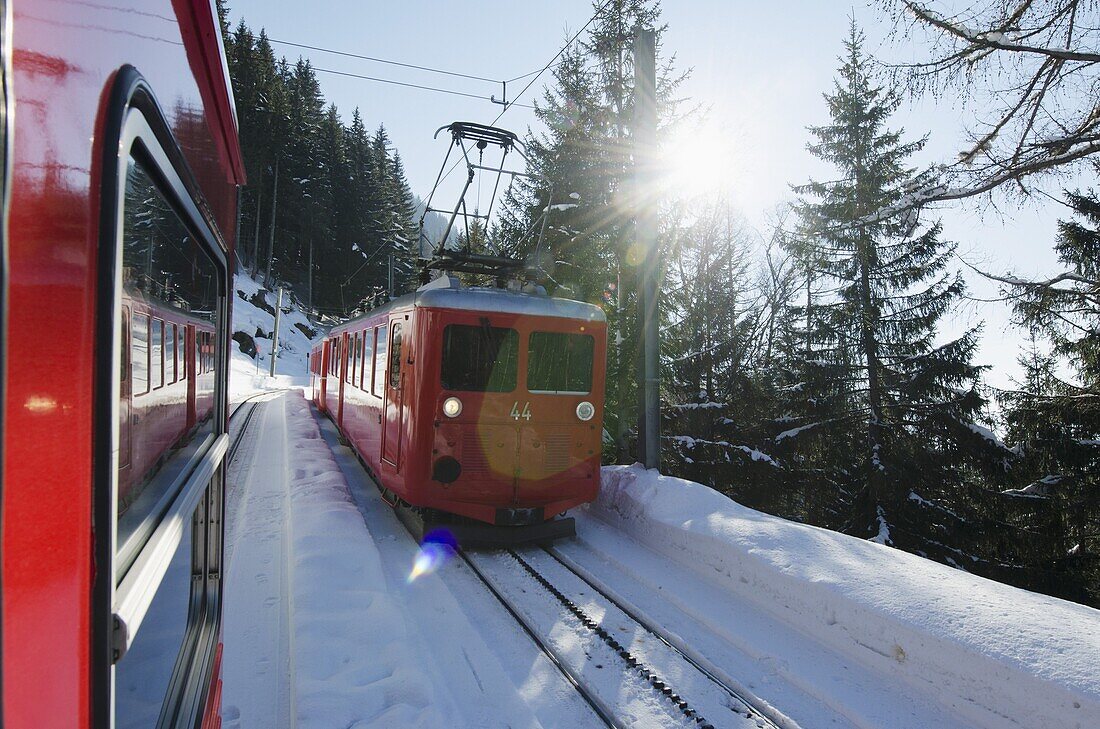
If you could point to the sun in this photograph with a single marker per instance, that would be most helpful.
(700, 160)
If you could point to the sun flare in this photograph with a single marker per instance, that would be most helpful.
(701, 160)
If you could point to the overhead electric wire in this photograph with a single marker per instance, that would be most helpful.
(387, 61)
(409, 85)
(557, 55)
(538, 73)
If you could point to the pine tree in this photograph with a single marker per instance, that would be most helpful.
(900, 407)
(1054, 421)
(573, 222)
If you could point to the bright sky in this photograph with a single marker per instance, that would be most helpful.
(759, 68)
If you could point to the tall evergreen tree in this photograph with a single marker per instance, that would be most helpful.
(899, 429)
(577, 211)
(326, 202)
(1054, 420)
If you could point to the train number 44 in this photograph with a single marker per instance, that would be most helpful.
(517, 414)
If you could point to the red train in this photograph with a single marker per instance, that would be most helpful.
(119, 197)
(472, 406)
(169, 354)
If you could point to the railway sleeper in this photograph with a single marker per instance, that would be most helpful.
(648, 676)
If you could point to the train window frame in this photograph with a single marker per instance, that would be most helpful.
(512, 336)
(378, 384)
(134, 317)
(181, 351)
(353, 355)
(156, 343)
(394, 367)
(169, 344)
(366, 382)
(576, 336)
(122, 597)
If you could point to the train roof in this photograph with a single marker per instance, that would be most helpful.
(441, 294)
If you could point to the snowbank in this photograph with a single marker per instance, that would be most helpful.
(350, 662)
(995, 655)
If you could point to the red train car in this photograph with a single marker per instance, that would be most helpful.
(119, 193)
(473, 405)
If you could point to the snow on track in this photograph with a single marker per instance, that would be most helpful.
(614, 657)
(488, 672)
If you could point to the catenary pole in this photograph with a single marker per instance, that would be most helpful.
(255, 262)
(275, 335)
(645, 230)
(271, 237)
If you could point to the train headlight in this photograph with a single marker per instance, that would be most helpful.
(586, 410)
(452, 407)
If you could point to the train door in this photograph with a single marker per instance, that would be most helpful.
(322, 374)
(192, 373)
(342, 371)
(125, 394)
(394, 400)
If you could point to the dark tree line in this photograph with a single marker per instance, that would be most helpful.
(327, 203)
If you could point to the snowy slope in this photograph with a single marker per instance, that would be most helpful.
(993, 654)
(248, 375)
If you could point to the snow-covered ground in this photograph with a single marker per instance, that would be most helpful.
(990, 654)
(328, 625)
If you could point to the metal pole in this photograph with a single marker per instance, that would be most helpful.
(645, 230)
(255, 262)
(271, 238)
(275, 336)
(311, 275)
(389, 277)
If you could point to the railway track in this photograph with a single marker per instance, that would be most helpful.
(629, 670)
(243, 413)
(245, 417)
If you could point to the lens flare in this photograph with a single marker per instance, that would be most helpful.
(435, 550)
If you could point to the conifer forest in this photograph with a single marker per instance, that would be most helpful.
(805, 368)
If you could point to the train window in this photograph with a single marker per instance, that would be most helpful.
(395, 356)
(380, 360)
(354, 357)
(479, 358)
(159, 511)
(368, 354)
(156, 354)
(164, 265)
(139, 354)
(559, 362)
(169, 353)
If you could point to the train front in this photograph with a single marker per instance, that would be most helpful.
(515, 390)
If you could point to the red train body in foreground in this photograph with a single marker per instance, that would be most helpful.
(472, 406)
(119, 200)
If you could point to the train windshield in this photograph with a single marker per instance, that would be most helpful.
(560, 363)
(479, 358)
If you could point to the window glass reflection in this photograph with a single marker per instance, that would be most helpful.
(170, 284)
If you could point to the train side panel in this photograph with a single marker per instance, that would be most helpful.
(65, 58)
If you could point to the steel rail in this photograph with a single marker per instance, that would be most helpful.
(648, 676)
(598, 706)
(760, 709)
